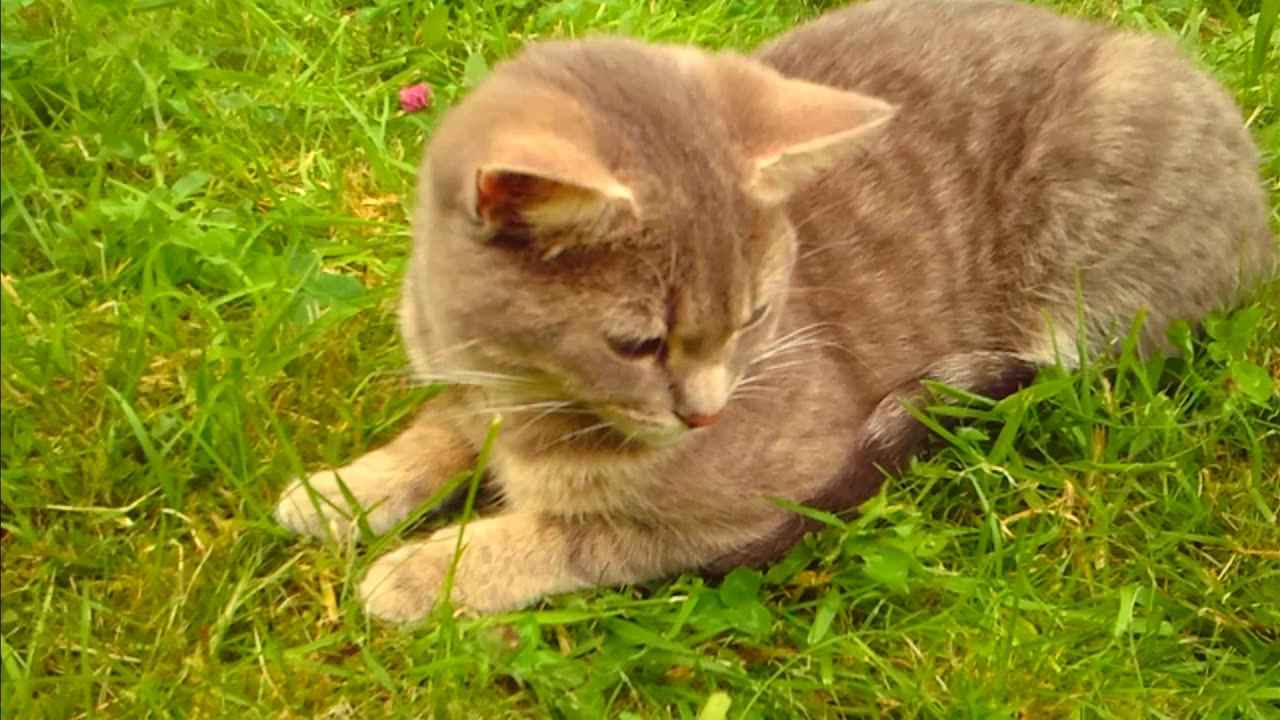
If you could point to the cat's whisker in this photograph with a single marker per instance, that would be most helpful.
(543, 409)
(807, 328)
(792, 345)
(482, 375)
(758, 386)
(753, 382)
(781, 368)
(396, 376)
(568, 409)
(807, 331)
(477, 379)
(566, 437)
(436, 357)
(441, 353)
(808, 336)
(754, 393)
(548, 406)
(795, 346)
(822, 288)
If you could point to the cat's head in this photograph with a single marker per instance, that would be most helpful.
(602, 229)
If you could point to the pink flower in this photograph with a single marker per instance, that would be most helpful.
(415, 98)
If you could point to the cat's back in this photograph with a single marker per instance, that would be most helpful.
(1027, 145)
(908, 51)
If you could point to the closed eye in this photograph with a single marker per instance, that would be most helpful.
(756, 316)
(636, 348)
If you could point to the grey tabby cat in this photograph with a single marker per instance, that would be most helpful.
(689, 281)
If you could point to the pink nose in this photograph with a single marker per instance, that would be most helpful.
(698, 421)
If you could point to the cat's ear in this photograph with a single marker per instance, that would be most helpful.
(799, 130)
(545, 184)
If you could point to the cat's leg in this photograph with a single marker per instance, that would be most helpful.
(507, 562)
(511, 561)
(514, 560)
(388, 483)
(894, 435)
(891, 437)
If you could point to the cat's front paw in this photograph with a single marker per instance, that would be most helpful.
(405, 584)
(320, 511)
(507, 562)
(384, 496)
(386, 484)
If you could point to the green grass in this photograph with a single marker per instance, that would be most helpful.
(203, 208)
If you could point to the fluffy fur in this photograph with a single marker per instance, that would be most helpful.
(690, 281)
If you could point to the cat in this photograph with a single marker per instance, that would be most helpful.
(691, 282)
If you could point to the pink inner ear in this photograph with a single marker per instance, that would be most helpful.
(501, 195)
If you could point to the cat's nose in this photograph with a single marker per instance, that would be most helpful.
(694, 420)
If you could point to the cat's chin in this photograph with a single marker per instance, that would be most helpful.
(594, 431)
(648, 430)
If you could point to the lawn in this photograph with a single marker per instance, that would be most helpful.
(204, 213)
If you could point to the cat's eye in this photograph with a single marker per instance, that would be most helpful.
(636, 348)
(756, 317)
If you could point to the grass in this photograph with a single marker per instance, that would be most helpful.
(203, 208)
